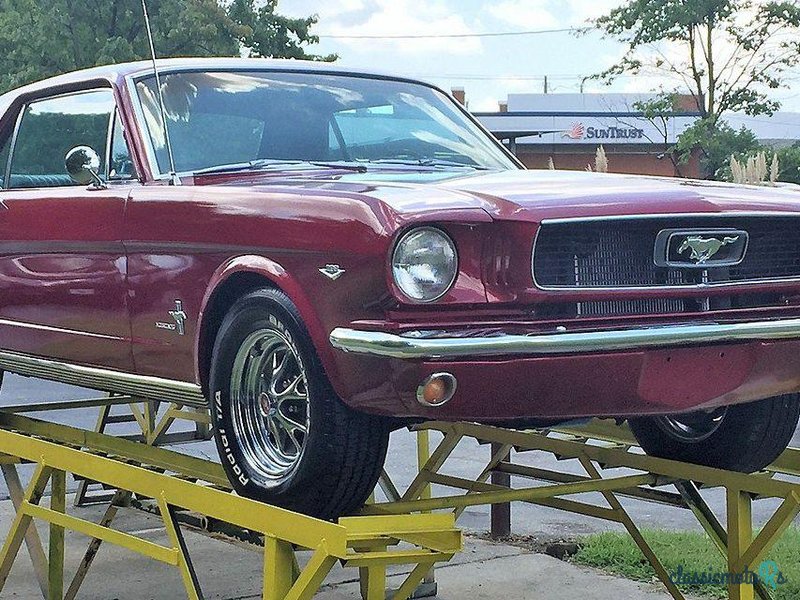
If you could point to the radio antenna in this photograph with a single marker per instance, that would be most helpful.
(173, 174)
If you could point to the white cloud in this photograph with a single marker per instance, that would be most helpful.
(583, 10)
(403, 17)
(543, 14)
(327, 10)
(524, 14)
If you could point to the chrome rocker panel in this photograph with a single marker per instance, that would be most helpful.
(106, 380)
(395, 346)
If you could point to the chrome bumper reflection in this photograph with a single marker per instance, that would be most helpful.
(395, 346)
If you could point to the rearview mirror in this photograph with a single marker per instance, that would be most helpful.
(83, 166)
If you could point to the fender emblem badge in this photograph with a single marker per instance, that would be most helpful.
(179, 316)
(332, 272)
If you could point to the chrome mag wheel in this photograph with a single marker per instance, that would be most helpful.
(269, 402)
(693, 427)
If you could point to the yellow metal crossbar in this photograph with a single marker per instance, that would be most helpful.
(599, 447)
(181, 483)
(494, 497)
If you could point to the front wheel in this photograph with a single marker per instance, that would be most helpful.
(283, 435)
(744, 437)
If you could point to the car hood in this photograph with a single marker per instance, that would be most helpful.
(534, 195)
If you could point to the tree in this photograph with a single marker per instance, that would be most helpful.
(727, 53)
(270, 34)
(789, 164)
(718, 143)
(39, 38)
(658, 111)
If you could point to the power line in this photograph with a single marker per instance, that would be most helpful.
(448, 35)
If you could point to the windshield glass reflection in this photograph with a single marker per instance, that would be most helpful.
(222, 118)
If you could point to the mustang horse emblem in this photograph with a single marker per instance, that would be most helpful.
(702, 249)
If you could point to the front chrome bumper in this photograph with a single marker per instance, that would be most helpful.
(407, 346)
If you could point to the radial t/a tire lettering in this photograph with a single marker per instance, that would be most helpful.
(283, 435)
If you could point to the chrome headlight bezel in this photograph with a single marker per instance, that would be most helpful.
(448, 283)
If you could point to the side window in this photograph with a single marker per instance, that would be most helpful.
(121, 165)
(51, 128)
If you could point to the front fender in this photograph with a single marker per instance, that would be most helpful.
(277, 276)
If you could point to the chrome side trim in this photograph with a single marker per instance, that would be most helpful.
(644, 288)
(38, 327)
(378, 343)
(107, 380)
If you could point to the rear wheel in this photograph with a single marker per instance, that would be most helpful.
(744, 437)
(283, 435)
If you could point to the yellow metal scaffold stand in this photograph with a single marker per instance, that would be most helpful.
(179, 483)
(601, 449)
(412, 528)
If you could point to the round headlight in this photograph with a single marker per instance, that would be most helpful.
(425, 264)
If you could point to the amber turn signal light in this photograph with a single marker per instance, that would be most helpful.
(436, 389)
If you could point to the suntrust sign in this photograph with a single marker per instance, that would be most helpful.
(579, 132)
(613, 133)
(590, 130)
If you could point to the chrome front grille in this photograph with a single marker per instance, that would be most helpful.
(618, 253)
(647, 306)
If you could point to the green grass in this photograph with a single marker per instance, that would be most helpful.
(618, 554)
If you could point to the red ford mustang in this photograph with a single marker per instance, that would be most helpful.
(334, 254)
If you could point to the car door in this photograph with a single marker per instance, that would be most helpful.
(62, 262)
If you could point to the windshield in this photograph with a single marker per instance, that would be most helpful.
(220, 118)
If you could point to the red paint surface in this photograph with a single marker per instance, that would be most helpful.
(97, 270)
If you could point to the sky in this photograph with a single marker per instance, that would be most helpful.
(488, 68)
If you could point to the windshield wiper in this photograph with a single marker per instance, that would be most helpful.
(434, 163)
(347, 165)
(261, 163)
(264, 164)
(357, 166)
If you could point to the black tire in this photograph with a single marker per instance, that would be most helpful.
(342, 452)
(746, 438)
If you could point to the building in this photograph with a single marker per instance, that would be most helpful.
(568, 128)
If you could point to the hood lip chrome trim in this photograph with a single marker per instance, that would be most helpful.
(623, 289)
(680, 215)
(105, 380)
